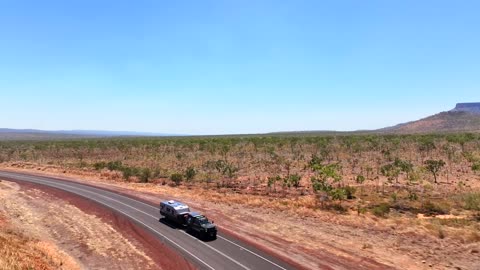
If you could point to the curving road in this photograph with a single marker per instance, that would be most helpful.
(223, 253)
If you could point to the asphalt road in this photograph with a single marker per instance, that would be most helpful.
(223, 253)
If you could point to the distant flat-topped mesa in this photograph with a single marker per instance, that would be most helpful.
(468, 107)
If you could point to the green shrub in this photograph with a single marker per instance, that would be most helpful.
(381, 210)
(99, 165)
(361, 210)
(360, 179)
(432, 209)
(472, 201)
(349, 192)
(190, 173)
(394, 197)
(177, 178)
(337, 207)
(412, 196)
(145, 175)
(294, 180)
(476, 166)
(337, 194)
(114, 165)
(415, 176)
(127, 173)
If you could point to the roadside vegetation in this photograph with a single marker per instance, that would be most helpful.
(382, 175)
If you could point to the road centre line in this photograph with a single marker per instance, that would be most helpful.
(111, 199)
(151, 228)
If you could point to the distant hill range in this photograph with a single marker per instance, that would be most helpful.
(465, 117)
(34, 134)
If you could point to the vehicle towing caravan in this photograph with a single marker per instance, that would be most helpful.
(193, 222)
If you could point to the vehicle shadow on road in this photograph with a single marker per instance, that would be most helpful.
(175, 226)
(169, 223)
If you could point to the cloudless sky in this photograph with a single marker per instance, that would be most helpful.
(234, 66)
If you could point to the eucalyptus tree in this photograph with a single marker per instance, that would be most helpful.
(434, 166)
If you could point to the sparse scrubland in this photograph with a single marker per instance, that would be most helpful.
(412, 173)
(429, 184)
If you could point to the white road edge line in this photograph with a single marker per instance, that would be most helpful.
(219, 236)
(214, 249)
(253, 253)
(111, 199)
(151, 228)
(233, 243)
(154, 217)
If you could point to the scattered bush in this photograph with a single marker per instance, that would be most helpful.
(394, 197)
(190, 173)
(360, 179)
(476, 166)
(99, 165)
(337, 207)
(381, 210)
(294, 180)
(272, 180)
(145, 175)
(349, 192)
(127, 173)
(432, 209)
(361, 211)
(412, 196)
(177, 178)
(337, 194)
(114, 165)
(472, 201)
(241, 162)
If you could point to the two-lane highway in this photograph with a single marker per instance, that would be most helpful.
(223, 253)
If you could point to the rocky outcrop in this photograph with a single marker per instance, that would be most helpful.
(464, 118)
(468, 107)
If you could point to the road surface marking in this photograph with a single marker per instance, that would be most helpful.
(151, 228)
(229, 241)
(111, 199)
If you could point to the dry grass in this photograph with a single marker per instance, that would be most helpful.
(19, 251)
(36, 229)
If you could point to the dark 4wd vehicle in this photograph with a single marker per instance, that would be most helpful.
(199, 224)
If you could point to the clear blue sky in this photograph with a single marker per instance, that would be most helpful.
(213, 67)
